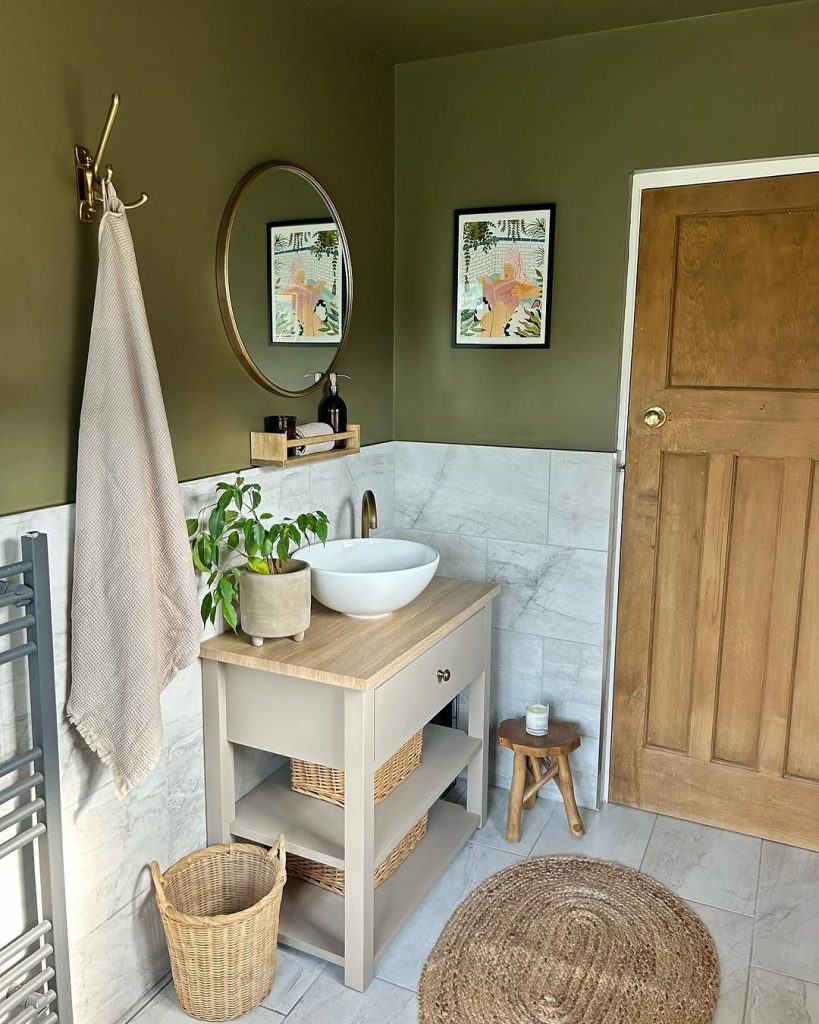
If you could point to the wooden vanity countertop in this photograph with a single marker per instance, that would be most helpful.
(354, 653)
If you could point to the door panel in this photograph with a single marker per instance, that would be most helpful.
(746, 287)
(675, 600)
(716, 713)
(747, 617)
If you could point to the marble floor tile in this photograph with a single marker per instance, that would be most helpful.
(404, 960)
(612, 833)
(580, 499)
(732, 935)
(549, 591)
(295, 973)
(327, 1001)
(777, 999)
(704, 864)
(165, 1009)
(786, 936)
(532, 824)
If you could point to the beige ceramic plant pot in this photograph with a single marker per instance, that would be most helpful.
(278, 605)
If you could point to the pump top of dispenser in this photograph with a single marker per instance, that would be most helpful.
(316, 375)
(334, 378)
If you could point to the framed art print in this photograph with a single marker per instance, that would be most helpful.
(503, 277)
(305, 283)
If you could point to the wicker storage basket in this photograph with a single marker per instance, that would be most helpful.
(333, 878)
(220, 911)
(328, 783)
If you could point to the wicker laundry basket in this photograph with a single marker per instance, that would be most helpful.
(331, 878)
(220, 911)
(328, 783)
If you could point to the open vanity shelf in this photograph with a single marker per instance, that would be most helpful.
(275, 449)
(349, 696)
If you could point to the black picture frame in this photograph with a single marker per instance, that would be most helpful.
(541, 343)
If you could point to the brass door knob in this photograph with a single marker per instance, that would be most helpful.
(655, 416)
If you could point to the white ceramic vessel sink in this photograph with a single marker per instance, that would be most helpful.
(369, 578)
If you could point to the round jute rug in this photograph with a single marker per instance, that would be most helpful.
(570, 940)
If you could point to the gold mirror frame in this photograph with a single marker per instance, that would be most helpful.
(223, 279)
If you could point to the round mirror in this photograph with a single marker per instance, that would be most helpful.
(284, 278)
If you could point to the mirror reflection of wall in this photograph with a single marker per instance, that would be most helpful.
(288, 278)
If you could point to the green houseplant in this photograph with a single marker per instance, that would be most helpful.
(246, 557)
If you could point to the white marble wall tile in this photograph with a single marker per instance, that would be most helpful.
(182, 705)
(580, 499)
(786, 937)
(776, 999)
(549, 591)
(732, 935)
(573, 683)
(705, 865)
(337, 486)
(115, 965)
(108, 846)
(186, 797)
(479, 491)
(517, 673)
(461, 556)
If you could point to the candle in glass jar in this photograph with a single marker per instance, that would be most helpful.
(537, 719)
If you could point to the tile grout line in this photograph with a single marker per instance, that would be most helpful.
(753, 933)
(648, 843)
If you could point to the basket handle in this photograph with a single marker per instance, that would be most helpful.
(277, 851)
(159, 885)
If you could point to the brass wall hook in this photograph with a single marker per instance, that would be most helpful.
(90, 174)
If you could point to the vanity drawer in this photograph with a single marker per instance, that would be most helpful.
(410, 698)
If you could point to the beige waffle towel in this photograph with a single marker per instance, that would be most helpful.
(134, 614)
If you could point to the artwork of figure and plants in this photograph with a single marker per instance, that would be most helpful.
(503, 264)
(306, 283)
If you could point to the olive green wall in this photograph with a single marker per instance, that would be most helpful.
(568, 121)
(208, 89)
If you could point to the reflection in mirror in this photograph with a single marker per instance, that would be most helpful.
(284, 275)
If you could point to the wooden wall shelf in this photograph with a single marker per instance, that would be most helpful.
(275, 449)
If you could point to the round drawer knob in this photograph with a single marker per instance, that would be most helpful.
(444, 675)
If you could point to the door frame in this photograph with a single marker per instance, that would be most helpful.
(640, 181)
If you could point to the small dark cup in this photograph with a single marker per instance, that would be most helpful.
(281, 425)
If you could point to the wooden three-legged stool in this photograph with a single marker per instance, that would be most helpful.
(538, 760)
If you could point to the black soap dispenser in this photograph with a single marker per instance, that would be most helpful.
(333, 409)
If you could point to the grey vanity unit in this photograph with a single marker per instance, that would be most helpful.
(348, 697)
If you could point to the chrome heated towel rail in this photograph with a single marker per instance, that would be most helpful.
(35, 985)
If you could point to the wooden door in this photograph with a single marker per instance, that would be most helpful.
(716, 713)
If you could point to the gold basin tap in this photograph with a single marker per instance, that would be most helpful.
(369, 514)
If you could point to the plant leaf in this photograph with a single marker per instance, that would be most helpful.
(207, 607)
(258, 565)
(231, 618)
(192, 525)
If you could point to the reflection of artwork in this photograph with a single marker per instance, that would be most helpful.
(305, 283)
(503, 276)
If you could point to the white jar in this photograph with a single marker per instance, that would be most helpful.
(537, 719)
